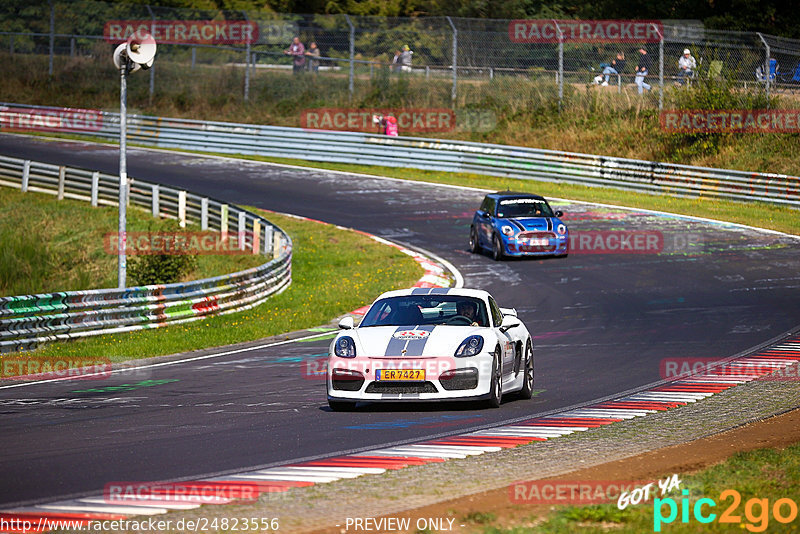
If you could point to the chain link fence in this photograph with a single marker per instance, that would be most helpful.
(455, 62)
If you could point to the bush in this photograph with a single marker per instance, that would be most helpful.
(161, 268)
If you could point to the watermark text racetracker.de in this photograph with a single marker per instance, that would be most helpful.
(766, 369)
(730, 120)
(585, 31)
(50, 120)
(573, 492)
(633, 242)
(181, 243)
(22, 367)
(409, 120)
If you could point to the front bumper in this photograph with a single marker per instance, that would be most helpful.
(470, 380)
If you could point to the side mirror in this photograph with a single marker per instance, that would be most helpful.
(559, 213)
(346, 323)
(509, 322)
(485, 215)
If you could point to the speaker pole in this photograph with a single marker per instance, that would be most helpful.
(122, 264)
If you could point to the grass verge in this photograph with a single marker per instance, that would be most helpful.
(334, 271)
(760, 478)
(44, 250)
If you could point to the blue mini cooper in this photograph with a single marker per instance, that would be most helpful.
(518, 224)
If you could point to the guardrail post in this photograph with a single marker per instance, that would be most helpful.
(223, 221)
(255, 245)
(454, 90)
(95, 187)
(182, 208)
(26, 175)
(155, 201)
(204, 213)
(194, 56)
(62, 173)
(240, 229)
(11, 44)
(72, 46)
(268, 236)
(352, 54)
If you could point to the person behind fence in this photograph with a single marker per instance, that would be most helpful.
(616, 66)
(641, 71)
(297, 51)
(313, 54)
(405, 59)
(387, 124)
(396, 60)
(686, 66)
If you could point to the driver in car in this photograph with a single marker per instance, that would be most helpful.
(469, 310)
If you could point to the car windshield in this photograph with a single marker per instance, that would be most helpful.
(414, 310)
(523, 207)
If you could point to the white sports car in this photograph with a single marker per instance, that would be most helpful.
(430, 345)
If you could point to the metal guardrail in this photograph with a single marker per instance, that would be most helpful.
(418, 153)
(29, 320)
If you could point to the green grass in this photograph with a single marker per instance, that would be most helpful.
(592, 119)
(770, 474)
(334, 271)
(44, 250)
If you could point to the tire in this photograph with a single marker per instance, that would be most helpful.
(527, 381)
(497, 248)
(341, 406)
(474, 245)
(496, 388)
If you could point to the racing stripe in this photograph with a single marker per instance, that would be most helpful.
(416, 347)
(549, 224)
(520, 226)
(439, 290)
(421, 291)
(395, 346)
(413, 347)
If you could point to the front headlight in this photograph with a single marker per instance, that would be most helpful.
(471, 346)
(345, 347)
(561, 229)
(509, 231)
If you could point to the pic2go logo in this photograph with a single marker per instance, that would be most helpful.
(756, 511)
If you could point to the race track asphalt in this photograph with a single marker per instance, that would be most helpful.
(603, 323)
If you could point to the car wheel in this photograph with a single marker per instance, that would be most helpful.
(527, 381)
(474, 246)
(497, 248)
(341, 406)
(496, 388)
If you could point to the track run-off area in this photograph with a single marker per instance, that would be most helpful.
(607, 319)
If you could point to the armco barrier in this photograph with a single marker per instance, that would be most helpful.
(418, 153)
(26, 321)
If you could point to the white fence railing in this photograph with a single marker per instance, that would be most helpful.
(29, 320)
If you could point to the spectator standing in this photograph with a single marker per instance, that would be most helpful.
(405, 59)
(641, 71)
(297, 51)
(396, 61)
(313, 54)
(686, 66)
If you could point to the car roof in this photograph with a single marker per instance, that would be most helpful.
(461, 291)
(500, 195)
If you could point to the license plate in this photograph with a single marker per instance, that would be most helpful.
(538, 241)
(400, 374)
